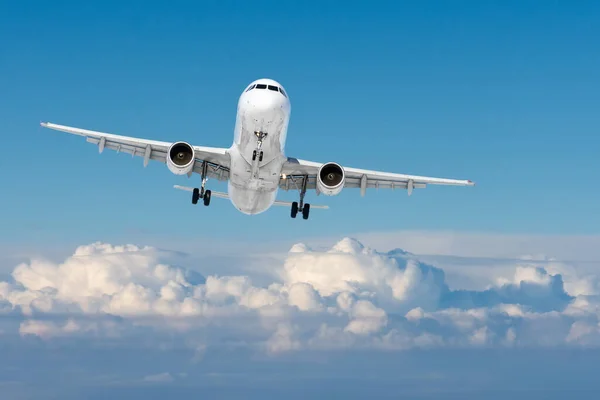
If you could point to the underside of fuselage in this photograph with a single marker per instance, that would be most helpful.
(257, 153)
(251, 201)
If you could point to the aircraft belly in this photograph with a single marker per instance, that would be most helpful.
(257, 153)
(249, 200)
(252, 194)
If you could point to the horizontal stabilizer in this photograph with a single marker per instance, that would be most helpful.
(289, 204)
(212, 192)
(187, 189)
(226, 196)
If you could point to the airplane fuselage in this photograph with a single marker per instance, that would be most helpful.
(257, 153)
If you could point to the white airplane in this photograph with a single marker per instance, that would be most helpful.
(255, 165)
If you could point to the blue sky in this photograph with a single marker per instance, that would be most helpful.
(503, 93)
(497, 297)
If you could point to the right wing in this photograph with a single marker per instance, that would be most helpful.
(216, 157)
(295, 170)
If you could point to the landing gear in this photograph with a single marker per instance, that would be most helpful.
(206, 198)
(260, 136)
(260, 155)
(305, 211)
(201, 193)
(301, 207)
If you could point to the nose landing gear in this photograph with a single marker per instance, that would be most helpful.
(258, 152)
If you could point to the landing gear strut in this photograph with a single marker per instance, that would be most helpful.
(301, 207)
(258, 152)
(201, 193)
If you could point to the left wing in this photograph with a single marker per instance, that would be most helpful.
(295, 169)
(217, 158)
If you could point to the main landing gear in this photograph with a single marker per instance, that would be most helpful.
(198, 194)
(201, 193)
(301, 207)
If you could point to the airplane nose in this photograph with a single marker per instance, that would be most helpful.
(265, 101)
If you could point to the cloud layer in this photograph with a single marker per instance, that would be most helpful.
(349, 296)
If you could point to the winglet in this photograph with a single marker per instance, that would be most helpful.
(44, 124)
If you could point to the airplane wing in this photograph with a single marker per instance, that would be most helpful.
(295, 170)
(217, 158)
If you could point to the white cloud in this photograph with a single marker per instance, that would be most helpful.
(366, 318)
(164, 377)
(347, 296)
(304, 296)
(282, 340)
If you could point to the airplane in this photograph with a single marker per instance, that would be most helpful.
(255, 165)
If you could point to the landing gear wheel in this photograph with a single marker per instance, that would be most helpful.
(195, 196)
(294, 209)
(207, 197)
(254, 155)
(305, 211)
(260, 157)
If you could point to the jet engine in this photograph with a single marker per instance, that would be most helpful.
(180, 158)
(330, 179)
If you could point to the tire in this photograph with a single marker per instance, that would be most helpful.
(207, 196)
(294, 209)
(260, 157)
(195, 196)
(254, 155)
(306, 211)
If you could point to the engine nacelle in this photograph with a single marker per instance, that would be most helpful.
(180, 158)
(330, 179)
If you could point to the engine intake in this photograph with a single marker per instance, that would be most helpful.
(330, 179)
(180, 158)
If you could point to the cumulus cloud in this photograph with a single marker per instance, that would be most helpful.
(349, 296)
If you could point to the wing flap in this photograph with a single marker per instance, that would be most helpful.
(156, 155)
(214, 171)
(381, 184)
(293, 182)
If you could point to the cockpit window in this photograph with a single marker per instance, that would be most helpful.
(265, 86)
